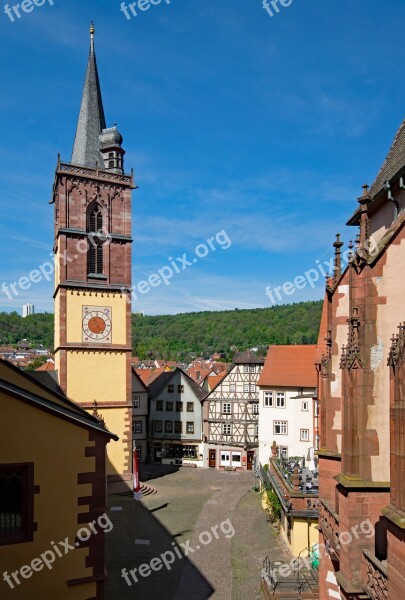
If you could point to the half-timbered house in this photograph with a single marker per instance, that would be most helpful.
(231, 413)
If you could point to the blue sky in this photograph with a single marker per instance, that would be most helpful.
(265, 127)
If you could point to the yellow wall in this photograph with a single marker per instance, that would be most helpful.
(299, 536)
(96, 375)
(56, 447)
(74, 312)
(117, 420)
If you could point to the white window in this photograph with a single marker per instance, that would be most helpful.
(316, 408)
(236, 459)
(246, 369)
(252, 387)
(255, 408)
(280, 399)
(225, 458)
(256, 430)
(232, 387)
(226, 428)
(136, 401)
(280, 427)
(305, 405)
(226, 408)
(253, 368)
(283, 450)
(268, 399)
(304, 435)
(246, 387)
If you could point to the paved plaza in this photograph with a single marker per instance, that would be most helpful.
(218, 518)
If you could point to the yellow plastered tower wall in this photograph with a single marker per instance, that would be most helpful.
(93, 345)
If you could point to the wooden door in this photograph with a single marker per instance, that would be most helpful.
(250, 459)
(212, 458)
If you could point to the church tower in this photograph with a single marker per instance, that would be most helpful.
(93, 345)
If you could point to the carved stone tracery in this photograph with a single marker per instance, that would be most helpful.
(397, 351)
(351, 353)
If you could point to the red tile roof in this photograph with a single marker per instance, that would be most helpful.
(290, 366)
(215, 380)
(47, 366)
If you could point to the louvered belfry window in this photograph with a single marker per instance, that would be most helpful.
(95, 255)
(96, 220)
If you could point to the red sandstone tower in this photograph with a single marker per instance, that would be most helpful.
(92, 200)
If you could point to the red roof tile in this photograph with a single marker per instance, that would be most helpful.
(289, 366)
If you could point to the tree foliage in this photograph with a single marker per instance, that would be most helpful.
(174, 337)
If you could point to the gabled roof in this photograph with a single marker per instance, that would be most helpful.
(49, 365)
(164, 378)
(20, 385)
(247, 358)
(86, 148)
(289, 366)
(216, 380)
(149, 375)
(139, 378)
(394, 162)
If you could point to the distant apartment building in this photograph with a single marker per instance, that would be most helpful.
(175, 419)
(231, 413)
(27, 310)
(139, 416)
(288, 413)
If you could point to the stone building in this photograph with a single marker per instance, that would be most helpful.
(92, 204)
(360, 380)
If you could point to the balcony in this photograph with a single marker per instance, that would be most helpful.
(374, 573)
(329, 524)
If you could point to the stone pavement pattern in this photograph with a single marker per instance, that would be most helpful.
(188, 503)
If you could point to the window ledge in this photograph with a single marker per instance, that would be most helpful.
(96, 276)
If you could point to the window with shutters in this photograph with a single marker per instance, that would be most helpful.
(95, 253)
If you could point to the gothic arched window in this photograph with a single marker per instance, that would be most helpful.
(96, 220)
(95, 253)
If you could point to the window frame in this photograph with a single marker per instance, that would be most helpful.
(304, 439)
(280, 396)
(26, 532)
(168, 426)
(281, 424)
(136, 423)
(268, 399)
(227, 426)
(158, 426)
(159, 405)
(190, 404)
(136, 399)
(225, 412)
(190, 427)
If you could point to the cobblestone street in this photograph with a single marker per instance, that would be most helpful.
(188, 503)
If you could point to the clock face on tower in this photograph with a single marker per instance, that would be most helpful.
(97, 323)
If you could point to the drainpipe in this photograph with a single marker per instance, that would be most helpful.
(392, 199)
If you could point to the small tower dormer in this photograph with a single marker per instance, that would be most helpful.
(111, 150)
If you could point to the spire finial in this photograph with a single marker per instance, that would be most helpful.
(92, 29)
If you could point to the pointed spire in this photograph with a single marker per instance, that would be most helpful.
(86, 149)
